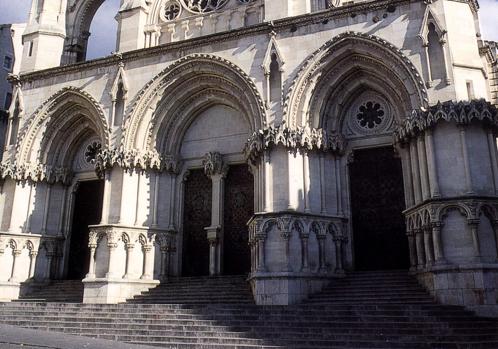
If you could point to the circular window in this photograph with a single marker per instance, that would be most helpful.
(204, 6)
(370, 115)
(172, 10)
(91, 152)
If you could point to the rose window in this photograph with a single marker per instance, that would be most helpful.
(172, 10)
(370, 115)
(203, 6)
(91, 152)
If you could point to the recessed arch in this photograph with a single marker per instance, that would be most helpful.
(59, 125)
(334, 65)
(170, 102)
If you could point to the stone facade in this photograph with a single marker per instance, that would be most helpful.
(293, 90)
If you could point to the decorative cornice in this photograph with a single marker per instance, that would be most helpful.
(303, 138)
(36, 173)
(136, 160)
(264, 28)
(458, 112)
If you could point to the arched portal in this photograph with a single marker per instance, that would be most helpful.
(66, 133)
(201, 111)
(360, 87)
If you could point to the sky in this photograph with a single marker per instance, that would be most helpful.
(103, 39)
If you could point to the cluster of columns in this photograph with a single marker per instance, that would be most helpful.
(425, 246)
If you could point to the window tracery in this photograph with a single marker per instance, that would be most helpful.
(203, 6)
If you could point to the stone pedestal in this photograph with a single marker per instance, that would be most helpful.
(112, 291)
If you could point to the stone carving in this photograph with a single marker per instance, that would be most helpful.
(307, 139)
(213, 164)
(136, 159)
(457, 112)
(203, 6)
(36, 173)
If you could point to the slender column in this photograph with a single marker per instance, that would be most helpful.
(494, 161)
(407, 171)
(474, 225)
(91, 267)
(415, 172)
(267, 181)
(156, 199)
(438, 246)
(447, 67)
(129, 254)
(323, 202)
(337, 163)
(171, 224)
(286, 237)
(431, 156)
(413, 249)
(305, 253)
(261, 252)
(27, 227)
(306, 183)
(495, 228)
(111, 270)
(48, 270)
(148, 263)
(429, 251)
(338, 241)
(107, 197)
(60, 228)
(46, 209)
(213, 260)
(165, 257)
(321, 253)
(424, 175)
(15, 266)
(427, 59)
(419, 240)
(466, 164)
(32, 263)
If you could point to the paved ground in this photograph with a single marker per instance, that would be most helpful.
(19, 338)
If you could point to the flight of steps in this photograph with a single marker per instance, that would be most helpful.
(363, 310)
(64, 291)
(199, 290)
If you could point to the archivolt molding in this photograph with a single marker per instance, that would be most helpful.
(154, 91)
(309, 75)
(301, 138)
(458, 112)
(44, 114)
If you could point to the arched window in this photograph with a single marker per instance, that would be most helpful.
(14, 125)
(275, 80)
(119, 106)
(436, 54)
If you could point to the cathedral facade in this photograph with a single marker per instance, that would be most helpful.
(291, 141)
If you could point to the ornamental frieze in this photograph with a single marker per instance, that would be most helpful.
(136, 159)
(36, 173)
(303, 138)
(458, 112)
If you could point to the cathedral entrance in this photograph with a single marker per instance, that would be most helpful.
(196, 217)
(377, 202)
(87, 211)
(239, 208)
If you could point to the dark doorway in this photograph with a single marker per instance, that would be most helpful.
(87, 211)
(377, 202)
(196, 217)
(239, 208)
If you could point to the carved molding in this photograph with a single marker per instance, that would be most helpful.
(306, 139)
(36, 173)
(458, 112)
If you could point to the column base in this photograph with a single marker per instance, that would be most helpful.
(473, 286)
(9, 291)
(113, 291)
(282, 288)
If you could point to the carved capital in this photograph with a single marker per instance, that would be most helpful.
(214, 165)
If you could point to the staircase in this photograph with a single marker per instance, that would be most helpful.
(363, 310)
(66, 291)
(199, 290)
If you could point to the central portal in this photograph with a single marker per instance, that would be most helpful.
(377, 203)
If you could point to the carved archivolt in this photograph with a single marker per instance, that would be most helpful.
(169, 102)
(43, 122)
(460, 113)
(358, 51)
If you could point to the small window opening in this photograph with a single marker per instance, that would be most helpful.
(14, 125)
(275, 80)
(7, 62)
(30, 51)
(470, 90)
(119, 106)
(436, 54)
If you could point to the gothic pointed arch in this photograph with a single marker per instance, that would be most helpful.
(168, 104)
(59, 126)
(346, 66)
